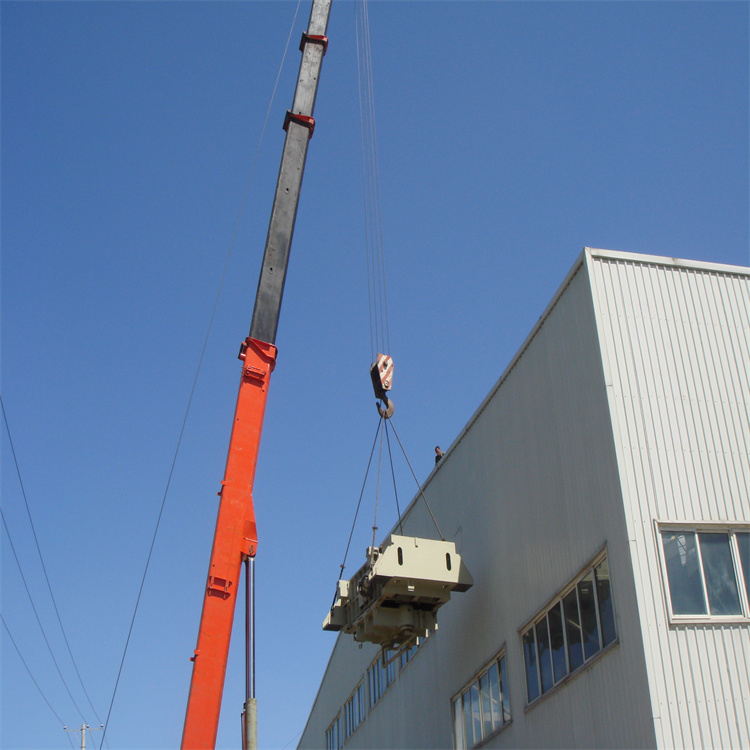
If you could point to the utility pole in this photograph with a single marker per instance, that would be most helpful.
(82, 730)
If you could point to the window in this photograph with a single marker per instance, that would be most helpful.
(380, 675)
(572, 630)
(708, 572)
(483, 706)
(333, 735)
(354, 711)
(405, 656)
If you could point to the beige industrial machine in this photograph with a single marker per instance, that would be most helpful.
(394, 597)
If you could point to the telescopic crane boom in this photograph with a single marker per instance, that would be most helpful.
(235, 538)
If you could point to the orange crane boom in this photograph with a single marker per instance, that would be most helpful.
(235, 538)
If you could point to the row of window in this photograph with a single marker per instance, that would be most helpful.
(572, 630)
(564, 636)
(707, 577)
(381, 674)
(483, 706)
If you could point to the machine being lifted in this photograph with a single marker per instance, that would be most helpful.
(393, 599)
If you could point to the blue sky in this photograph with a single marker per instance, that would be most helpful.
(510, 136)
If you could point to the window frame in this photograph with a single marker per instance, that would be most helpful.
(383, 671)
(697, 528)
(358, 696)
(542, 616)
(339, 734)
(500, 661)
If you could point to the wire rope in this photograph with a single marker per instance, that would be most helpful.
(419, 486)
(365, 186)
(374, 244)
(41, 558)
(393, 476)
(377, 495)
(359, 503)
(378, 224)
(195, 380)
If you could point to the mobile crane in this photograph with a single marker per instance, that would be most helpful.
(235, 538)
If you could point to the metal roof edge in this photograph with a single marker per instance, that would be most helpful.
(579, 262)
(575, 268)
(584, 258)
(659, 260)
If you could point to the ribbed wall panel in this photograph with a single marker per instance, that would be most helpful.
(675, 340)
(626, 405)
(530, 491)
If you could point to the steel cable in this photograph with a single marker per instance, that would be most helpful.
(375, 256)
(393, 476)
(419, 486)
(359, 503)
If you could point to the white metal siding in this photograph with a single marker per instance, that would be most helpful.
(530, 489)
(676, 346)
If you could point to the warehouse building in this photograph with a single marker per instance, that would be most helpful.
(600, 497)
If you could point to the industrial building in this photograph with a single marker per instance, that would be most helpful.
(600, 496)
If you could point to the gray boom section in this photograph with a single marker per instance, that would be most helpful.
(284, 212)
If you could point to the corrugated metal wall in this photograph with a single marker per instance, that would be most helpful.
(628, 404)
(530, 490)
(676, 347)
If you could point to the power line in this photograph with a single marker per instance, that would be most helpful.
(41, 559)
(36, 614)
(23, 661)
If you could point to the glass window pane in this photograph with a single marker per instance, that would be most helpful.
(557, 642)
(529, 655)
(468, 724)
(389, 670)
(589, 624)
(573, 630)
(743, 544)
(545, 658)
(476, 712)
(458, 724)
(493, 678)
(484, 691)
(604, 596)
(685, 587)
(718, 569)
(504, 690)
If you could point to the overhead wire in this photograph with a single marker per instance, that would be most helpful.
(197, 373)
(31, 675)
(36, 614)
(41, 557)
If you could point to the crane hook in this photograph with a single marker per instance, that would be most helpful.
(386, 413)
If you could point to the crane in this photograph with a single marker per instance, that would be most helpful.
(236, 539)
